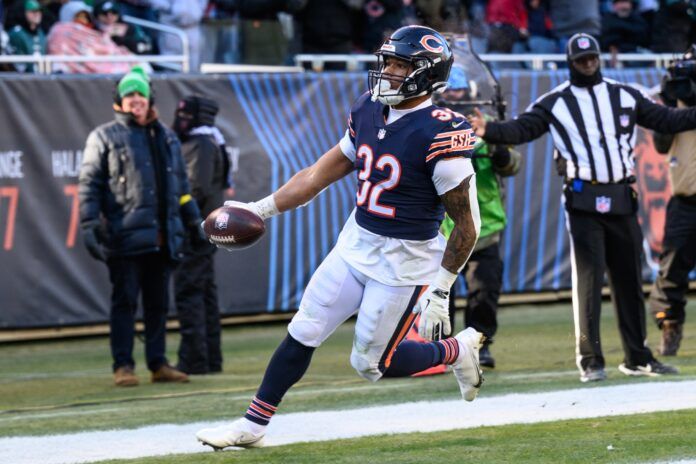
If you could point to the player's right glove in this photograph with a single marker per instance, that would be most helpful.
(91, 234)
(433, 308)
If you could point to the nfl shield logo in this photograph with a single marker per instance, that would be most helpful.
(583, 43)
(603, 204)
(221, 221)
(624, 120)
(381, 134)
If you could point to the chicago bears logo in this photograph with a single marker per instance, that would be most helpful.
(436, 48)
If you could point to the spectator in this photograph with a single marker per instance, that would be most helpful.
(135, 209)
(75, 35)
(430, 11)
(107, 14)
(220, 34)
(477, 27)
(624, 30)
(15, 15)
(379, 19)
(673, 28)
(540, 27)
(261, 36)
(28, 38)
(507, 22)
(647, 9)
(572, 16)
(144, 9)
(327, 26)
(186, 15)
(207, 167)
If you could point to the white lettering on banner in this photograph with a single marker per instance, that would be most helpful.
(66, 163)
(11, 164)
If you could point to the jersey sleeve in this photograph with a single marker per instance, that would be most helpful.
(454, 140)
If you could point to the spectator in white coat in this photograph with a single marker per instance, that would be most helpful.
(186, 15)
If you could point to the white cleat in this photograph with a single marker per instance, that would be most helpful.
(466, 369)
(234, 434)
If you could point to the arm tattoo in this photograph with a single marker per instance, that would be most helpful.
(463, 238)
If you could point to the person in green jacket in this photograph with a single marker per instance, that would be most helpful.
(28, 38)
(483, 272)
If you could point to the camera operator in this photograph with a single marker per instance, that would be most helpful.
(678, 257)
(483, 272)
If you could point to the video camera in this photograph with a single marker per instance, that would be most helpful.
(680, 83)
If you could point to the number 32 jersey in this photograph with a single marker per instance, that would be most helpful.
(402, 168)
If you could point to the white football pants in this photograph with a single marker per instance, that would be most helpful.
(335, 293)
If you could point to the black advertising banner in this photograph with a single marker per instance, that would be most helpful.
(275, 124)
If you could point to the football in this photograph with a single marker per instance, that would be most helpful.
(233, 227)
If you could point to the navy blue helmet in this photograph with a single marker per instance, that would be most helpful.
(430, 56)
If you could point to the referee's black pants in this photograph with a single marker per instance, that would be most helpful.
(678, 258)
(601, 241)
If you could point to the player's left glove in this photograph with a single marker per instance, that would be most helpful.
(264, 208)
(433, 308)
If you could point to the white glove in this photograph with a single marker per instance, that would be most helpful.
(251, 206)
(433, 308)
(264, 208)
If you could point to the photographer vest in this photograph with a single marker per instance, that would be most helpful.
(682, 163)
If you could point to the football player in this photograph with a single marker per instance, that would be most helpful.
(412, 161)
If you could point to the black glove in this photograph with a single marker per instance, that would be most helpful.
(197, 236)
(500, 156)
(91, 234)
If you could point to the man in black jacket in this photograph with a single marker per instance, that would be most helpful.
(207, 167)
(135, 211)
(593, 123)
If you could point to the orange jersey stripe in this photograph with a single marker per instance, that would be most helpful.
(404, 331)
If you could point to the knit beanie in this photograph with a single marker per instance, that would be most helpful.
(135, 81)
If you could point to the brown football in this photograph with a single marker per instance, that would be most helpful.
(233, 228)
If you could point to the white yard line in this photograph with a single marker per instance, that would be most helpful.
(638, 398)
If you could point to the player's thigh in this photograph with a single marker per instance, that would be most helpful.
(332, 296)
(384, 319)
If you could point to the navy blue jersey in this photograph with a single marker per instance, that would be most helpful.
(396, 196)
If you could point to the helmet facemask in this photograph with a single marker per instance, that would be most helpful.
(415, 84)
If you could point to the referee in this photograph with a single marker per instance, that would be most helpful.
(593, 124)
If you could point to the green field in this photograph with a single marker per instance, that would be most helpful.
(66, 386)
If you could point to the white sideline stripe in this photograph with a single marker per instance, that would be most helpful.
(157, 440)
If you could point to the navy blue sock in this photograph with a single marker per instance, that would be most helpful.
(411, 357)
(287, 366)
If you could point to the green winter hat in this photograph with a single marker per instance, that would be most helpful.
(31, 5)
(135, 81)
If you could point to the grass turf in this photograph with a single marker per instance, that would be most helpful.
(66, 386)
(621, 439)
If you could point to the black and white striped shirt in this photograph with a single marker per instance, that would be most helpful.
(594, 128)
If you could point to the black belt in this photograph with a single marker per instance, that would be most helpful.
(627, 180)
(689, 199)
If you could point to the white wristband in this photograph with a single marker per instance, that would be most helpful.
(444, 279)
(266, 207)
